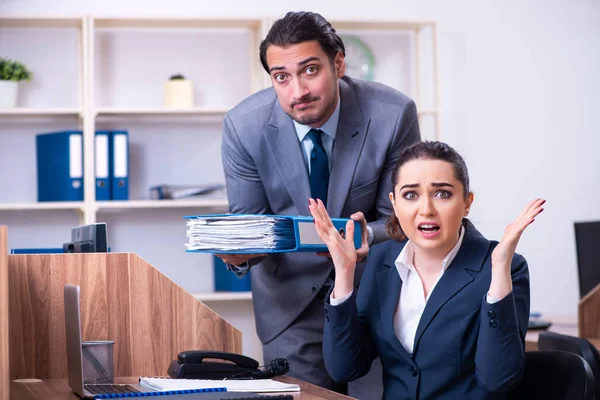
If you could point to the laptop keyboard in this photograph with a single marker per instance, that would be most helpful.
(110, 389)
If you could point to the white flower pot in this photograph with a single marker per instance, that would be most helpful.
(8, 94)
(179, 93)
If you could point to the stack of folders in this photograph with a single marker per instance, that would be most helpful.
(253, 233)
(60, 165)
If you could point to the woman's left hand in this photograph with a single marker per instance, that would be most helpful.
(505, 250)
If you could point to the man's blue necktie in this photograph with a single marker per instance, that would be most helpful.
(319, 167)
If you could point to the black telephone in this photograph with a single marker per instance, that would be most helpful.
(192, 365)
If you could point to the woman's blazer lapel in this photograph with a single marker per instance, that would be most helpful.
(389, 285)
(468, 261)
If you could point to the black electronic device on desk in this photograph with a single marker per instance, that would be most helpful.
(197, 365)
(90, 238)
(536, 323)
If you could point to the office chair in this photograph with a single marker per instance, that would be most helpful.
(580, 346)
(554, 375)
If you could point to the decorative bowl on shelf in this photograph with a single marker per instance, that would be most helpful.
(360, 61)
(179, 92)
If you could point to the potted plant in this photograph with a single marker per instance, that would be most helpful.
(11, 73)
(179, 92)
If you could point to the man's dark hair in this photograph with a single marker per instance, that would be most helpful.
(299, 27)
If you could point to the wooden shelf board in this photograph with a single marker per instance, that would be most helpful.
(50, 205)
(223, 296)
(38, 112)
(110, 22)
(380, 25)
(39, 22)
(427, 111)
(160, 111)
(137, 204)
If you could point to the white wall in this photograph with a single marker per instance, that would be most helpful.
(518, 88)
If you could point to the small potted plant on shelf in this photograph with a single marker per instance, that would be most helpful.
(11, 73)
(179, 92)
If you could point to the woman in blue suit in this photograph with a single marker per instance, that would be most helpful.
(444, 308)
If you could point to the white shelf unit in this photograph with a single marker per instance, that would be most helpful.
(119, 100)
(120, 65)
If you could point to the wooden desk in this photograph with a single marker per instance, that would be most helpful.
(566, 325)
(58, 389)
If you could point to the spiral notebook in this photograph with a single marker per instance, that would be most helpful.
(231, 385)
(203, 395)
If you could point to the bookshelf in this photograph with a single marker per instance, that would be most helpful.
(113, 79)
(105, 72)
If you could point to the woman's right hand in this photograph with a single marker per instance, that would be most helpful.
(342, 250)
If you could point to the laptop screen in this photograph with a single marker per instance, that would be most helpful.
(73, 331)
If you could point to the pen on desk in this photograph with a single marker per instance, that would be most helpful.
(535, 314)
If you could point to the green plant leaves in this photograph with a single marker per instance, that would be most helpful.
(13, 70)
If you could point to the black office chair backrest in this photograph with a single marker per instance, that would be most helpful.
(554, 375)
(576, 345)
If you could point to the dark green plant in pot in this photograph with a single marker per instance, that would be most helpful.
(11, 70)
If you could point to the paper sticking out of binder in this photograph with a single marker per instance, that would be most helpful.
(174, 192)
(252, 233)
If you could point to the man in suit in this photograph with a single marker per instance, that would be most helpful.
(315, 133)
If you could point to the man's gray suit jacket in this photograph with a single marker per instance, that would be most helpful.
(266, 173)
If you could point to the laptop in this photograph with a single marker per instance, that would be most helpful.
(110, 390)
(75, 353)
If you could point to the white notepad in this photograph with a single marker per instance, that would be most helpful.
(242, 385)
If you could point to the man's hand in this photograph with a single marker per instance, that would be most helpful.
(363, 251)
(238, 259)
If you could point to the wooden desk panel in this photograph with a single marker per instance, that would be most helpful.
(58, 389)
(123, 298)
(4, 358)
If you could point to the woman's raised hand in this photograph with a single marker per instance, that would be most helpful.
(503, 253)
(341, 250)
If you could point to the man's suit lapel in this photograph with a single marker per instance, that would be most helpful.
(468, 260)
(350, 137)
(288, 155)
(389, 285)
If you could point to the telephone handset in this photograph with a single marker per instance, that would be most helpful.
(192, 365)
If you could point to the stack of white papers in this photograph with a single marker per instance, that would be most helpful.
(247, 385)
(243, 233)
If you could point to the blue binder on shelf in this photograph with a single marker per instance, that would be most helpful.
(257, 233)
(227, 281)
(60, 166)
(41, 250)
(101, 167)
(119, 165)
